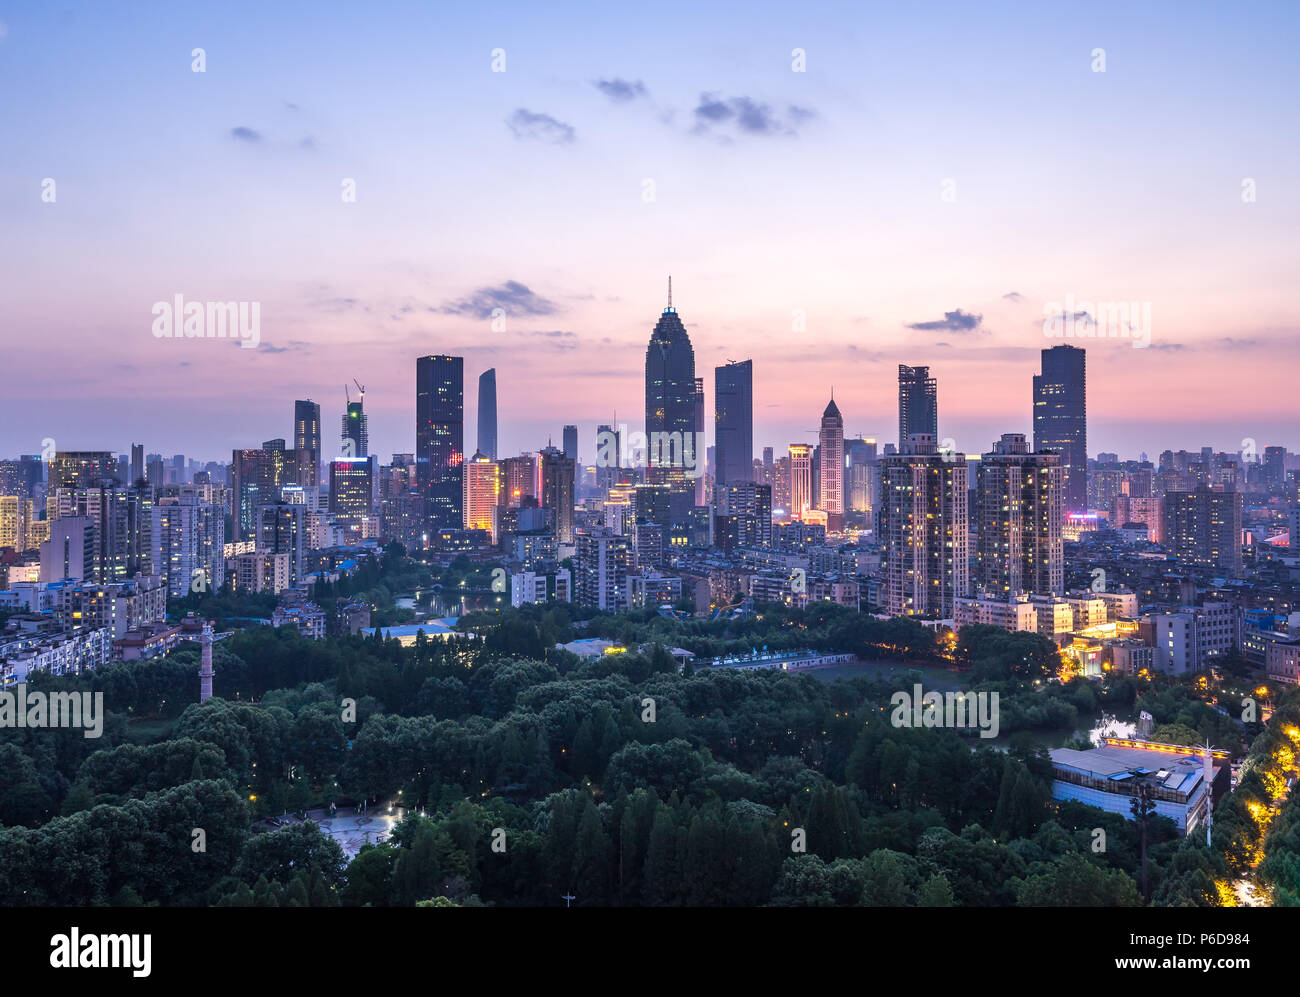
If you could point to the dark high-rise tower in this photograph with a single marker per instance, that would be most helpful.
(571, 442)
(670, 402)
(700, 491)
(487, 413)
(355, 436)
(1061, 419)
(556, 474)
(918, 403)
(440, 440)
(306, 439)
(733, 407)
(137, 463)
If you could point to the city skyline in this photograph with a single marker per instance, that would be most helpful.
(819, 455)
(764, 181)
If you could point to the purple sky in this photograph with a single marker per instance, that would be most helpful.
(935, 181)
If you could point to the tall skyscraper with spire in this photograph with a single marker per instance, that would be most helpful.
(670, 412)
(831, 473)
(487, 413)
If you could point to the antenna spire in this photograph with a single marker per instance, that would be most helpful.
(670, 290)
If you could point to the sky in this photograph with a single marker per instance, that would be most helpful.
(938, 179)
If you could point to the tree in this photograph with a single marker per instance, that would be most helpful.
(1143, 806)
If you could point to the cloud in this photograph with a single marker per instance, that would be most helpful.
(557, 339)
(295, 346)
(621, 91)
(1015, 296)
(1217, 343)
(1073, 317)
(515, 298)
(955, 321)
(527, 124)
(291, 105)
(242, 133)
(748, 116)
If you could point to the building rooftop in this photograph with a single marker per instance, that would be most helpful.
(1161, 769)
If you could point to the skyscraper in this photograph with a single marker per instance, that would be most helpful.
(520, 474)
(256, 477)
(556, 473)
(701, 493)
(306, 439)
(482, 493)
(831, 471)
(355, 441)
(137, 463)
(609, 443)
(860, 474)
(744, 516)
(1061, 419)
(440, 439)
(1019, 507)
(800, 479)
(487, 413)
(1203, 527)
(670, 411)
(571, 442)
(918, 403)
(282, 529)
(602, 561)
(81, 468)
(187, 539)
(351, 488)
(733, 407)
(923, 529)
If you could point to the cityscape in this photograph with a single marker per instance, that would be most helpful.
(498, 572)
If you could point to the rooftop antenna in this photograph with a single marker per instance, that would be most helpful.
(670, 290)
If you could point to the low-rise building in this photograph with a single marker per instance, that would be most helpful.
(1193, 638)
(68, 652)
(652, 588)
(1283, 662)
(1010, 614)
(1181, 779)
